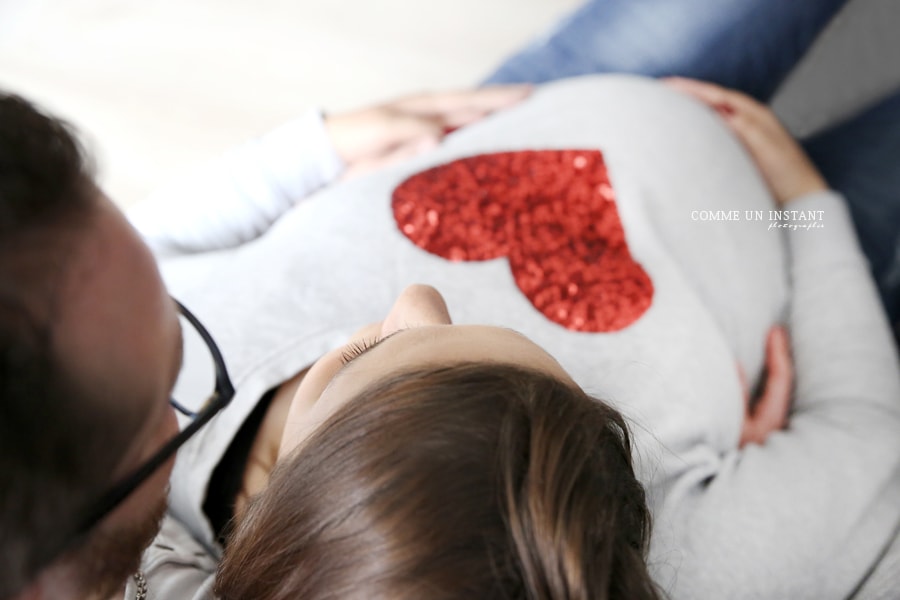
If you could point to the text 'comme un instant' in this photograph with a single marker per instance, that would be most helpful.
(789, 219)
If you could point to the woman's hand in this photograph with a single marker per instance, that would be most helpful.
(381, 135)
(769, 411)
(783, 164)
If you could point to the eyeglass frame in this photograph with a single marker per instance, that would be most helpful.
(219, 399)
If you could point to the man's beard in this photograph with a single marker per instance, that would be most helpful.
(111, 555)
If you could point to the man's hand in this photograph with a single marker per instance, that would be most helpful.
(782, 162)
(374, 137)
(769, 411)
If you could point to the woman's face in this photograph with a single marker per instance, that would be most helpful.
(417, 332)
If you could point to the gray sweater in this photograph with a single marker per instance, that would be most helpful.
(279, 282)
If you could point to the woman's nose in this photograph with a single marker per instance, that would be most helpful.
(417, 306)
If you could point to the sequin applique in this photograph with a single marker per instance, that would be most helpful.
(552, 213)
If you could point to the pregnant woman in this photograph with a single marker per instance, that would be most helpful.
(581, 219)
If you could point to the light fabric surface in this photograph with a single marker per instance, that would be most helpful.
(161, 86)
(803, 516)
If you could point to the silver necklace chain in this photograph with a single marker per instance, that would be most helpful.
(140, 583)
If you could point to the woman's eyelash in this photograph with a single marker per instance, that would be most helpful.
(358, 348)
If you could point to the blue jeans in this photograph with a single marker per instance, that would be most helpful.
(861, 159)
(748, 45)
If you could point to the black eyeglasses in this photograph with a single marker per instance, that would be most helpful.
(220, 396)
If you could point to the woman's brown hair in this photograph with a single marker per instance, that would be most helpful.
(467, 481)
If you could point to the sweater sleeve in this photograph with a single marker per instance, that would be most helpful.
(806, 514)
(236, 198)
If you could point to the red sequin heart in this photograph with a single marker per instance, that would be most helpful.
(551, 212)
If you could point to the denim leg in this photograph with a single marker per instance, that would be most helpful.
(861, 159)
(748, 45)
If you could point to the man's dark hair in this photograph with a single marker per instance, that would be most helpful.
(58, 443)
